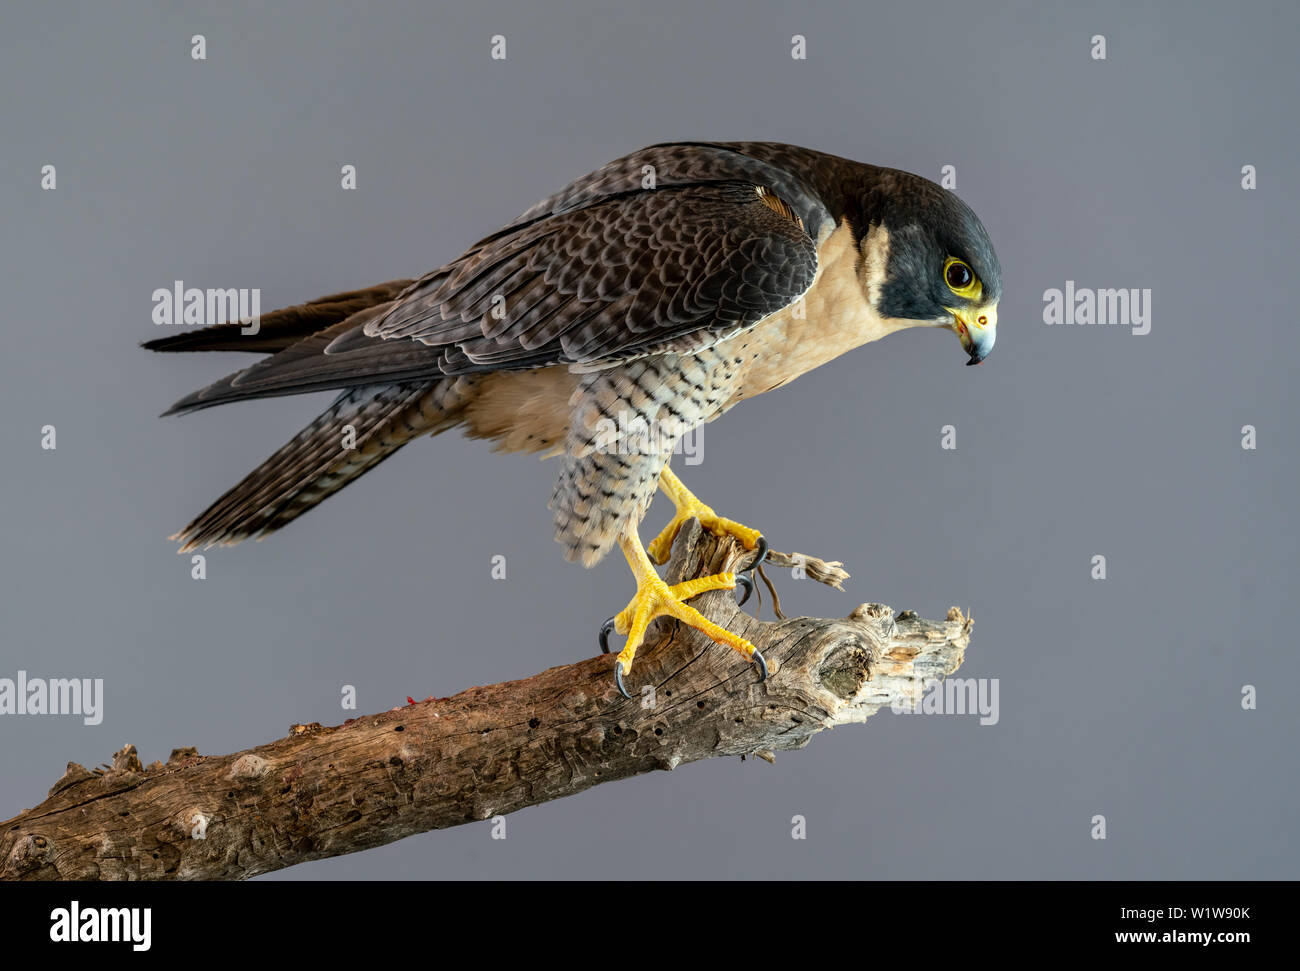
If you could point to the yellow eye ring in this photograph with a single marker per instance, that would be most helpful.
(961, 279)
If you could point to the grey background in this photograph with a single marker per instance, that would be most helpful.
(1118, 697)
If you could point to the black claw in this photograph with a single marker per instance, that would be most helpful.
(762, 554)
(748, 583)
(605, 629)
(762, 666)
(618, 678)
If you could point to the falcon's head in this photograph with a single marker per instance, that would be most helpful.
(927, 258)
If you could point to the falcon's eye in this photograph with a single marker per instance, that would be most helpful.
(960, 278)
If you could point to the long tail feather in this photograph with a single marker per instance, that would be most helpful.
(358, 431)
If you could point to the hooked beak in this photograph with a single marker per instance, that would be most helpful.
(977, 329)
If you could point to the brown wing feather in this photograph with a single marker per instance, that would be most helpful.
(639, 270)
(604, 271)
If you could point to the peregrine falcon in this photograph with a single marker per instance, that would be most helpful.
(655, 293)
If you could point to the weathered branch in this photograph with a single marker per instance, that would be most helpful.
(487, 751)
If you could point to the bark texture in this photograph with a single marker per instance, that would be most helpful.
(487, 751)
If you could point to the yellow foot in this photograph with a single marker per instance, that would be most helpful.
(690, 507)
(654, 598)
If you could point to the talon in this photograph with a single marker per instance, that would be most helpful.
(757, 658)
(762, 555)
(618, 678)
(655, 598)
(748, 583)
